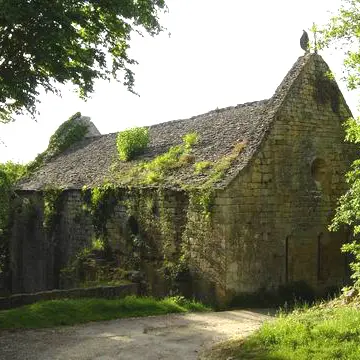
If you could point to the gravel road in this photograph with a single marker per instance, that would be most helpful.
(174, 336)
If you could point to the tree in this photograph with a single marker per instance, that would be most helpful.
(49, 42)
(9, 173)
(344, 30)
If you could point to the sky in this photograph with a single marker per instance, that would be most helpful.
(214, 54)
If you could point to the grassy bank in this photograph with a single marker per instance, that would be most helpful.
(75, 311)
(317, 333)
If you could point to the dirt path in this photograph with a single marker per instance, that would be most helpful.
(162, 337)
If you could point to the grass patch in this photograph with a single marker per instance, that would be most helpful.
(75, 311)
(315, 333)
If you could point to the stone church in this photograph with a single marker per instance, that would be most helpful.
(275, 169)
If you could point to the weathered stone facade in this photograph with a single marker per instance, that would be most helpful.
(37, 256)
(268, 224)
(276, 213)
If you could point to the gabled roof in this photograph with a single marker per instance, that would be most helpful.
(89, 161)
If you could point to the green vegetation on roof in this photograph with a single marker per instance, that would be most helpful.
(68, 133)
(132, 142)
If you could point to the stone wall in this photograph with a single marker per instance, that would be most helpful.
(275, 214)
(206, 245)
(106, 292)
(144, 232)
(38, 255)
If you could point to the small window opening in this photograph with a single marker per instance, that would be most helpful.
(133, 225)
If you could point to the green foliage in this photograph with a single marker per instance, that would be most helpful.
(68, 133)
(77, 41)
(177, 156)
(220, 167)
(156, 224)
(150, 209)
(132, 142)
(75, 311)
(100, 202)
(98, 244)
(52, 208)
(343, 30)
(10, 173)
(314, 333)
(348, 212)
(154, 171)
(13, 171)
(202, 166)
(190, 140)
(84, 270)
(163, 167)
(162, 164)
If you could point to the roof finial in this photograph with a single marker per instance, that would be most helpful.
(304, 41)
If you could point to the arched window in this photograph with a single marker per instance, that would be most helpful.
(319, 173)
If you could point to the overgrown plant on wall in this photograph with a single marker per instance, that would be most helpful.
(149, 208)
(53, 201)
(100, 203)
(143, 190)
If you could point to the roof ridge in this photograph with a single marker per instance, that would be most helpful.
(296, 68)
(286, 84)
(217, 110)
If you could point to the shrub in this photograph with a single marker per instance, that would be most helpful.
(132, 142)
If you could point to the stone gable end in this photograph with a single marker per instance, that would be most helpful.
(277, 211)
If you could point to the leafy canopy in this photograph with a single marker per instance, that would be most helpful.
(348, 211)
(47, 42)
(9, 173)
(343, 30)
